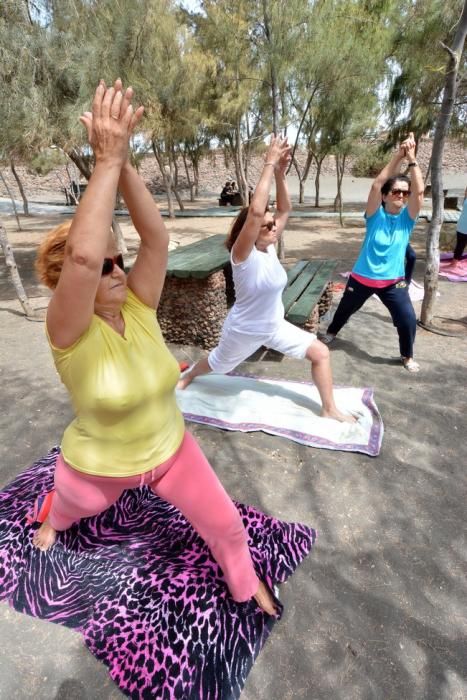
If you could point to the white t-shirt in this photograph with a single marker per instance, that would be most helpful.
(259, 282)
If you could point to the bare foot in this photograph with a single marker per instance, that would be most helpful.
(185, 380)
(45, 536)
(335, 414)
(265, 600)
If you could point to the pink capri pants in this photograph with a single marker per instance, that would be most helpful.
(188, 482)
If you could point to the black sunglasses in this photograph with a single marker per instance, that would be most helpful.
(109, 264)
(396, 191)
(270, 225)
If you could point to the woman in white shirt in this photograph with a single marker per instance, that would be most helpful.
(257, 317)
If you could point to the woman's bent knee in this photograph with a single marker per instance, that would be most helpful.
(317, 352)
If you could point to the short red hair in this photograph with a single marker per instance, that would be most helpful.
(51, 254)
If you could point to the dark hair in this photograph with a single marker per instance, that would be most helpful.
(237, 226)
(389, 184)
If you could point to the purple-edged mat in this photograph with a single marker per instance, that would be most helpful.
(445, 270)
(289, 409)
(141, 587)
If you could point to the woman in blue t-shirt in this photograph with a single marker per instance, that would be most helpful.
(392, 209)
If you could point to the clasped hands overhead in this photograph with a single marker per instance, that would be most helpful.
(111, 122)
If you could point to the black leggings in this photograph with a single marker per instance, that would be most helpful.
(410, 258)
(461, 242)
(395, 298)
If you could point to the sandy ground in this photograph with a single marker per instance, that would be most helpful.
(377, 612)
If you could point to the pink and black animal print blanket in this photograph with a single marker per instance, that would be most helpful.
(141, 587)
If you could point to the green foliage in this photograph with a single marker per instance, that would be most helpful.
(47, 160)
(370, 160)
(228, 73)
(416, 68)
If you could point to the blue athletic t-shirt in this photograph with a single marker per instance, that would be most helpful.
(462, 223)
(382, 255)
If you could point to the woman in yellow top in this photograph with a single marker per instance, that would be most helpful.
(110, 354)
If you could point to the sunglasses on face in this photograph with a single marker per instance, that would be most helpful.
(109, 264)
(396, 192)
(270, 225)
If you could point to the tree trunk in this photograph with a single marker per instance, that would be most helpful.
(319, 164)
(116, 228)
(428, 170)
(196, 175)
(302, 120)
(275, 102)
(181, 206)
(441, 130)
(191, 184)
(80, 161)
(12, 201)
(174, 167)
(21, 188)
(301, 184)
(241, 181)
(165, 178)
(338, 203)
(302, 176)
(15, 276)
(272, 71)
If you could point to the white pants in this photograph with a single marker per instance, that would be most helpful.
(234, 347)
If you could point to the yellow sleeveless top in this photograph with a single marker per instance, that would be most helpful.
(122, 390)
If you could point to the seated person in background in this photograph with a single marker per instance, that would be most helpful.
(226, 194)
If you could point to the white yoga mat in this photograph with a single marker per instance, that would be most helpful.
(285, 408)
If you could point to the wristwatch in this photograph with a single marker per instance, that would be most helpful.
(413, 164)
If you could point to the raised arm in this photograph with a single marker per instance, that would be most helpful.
(390, 170)
(71, 307)
(147, 275)
(283, 201)
(243, 246)
(417, 186)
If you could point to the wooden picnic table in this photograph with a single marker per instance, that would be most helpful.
(198, 291)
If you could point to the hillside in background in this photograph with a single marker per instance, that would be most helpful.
(214, 171)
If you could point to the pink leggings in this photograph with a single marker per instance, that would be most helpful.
(188, 482)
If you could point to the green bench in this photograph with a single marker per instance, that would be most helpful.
(308, 294)
(200, 259)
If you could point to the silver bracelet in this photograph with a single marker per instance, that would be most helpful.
(269, 163)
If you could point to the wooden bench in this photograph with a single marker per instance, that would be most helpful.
(308, 294)
(193, 304)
